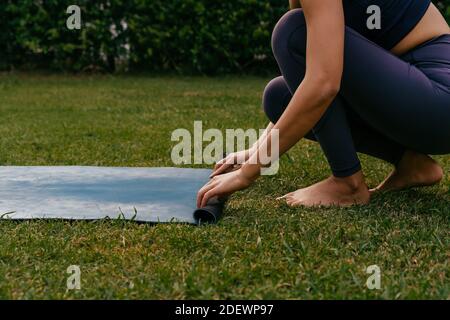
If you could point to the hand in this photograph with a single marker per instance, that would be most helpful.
(222, 185)
(231, 162)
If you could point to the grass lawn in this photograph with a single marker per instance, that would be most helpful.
(260, 249)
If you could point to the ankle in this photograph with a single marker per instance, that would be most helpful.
(353, 183)
(412, 159)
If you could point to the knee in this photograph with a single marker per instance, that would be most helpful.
(275, 98)
(291, 22)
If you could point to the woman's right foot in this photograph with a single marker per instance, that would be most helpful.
(342, 192)
(413, 170)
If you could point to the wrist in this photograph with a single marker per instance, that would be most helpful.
(251, 172)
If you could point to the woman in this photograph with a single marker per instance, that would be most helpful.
(384, 92)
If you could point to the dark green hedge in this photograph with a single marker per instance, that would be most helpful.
(194, 36)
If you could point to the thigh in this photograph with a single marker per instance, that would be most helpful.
(395, 97)
(391, 95)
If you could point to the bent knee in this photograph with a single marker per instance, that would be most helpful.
(276, 97)
(290, 22)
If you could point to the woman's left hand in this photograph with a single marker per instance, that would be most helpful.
(222, 185)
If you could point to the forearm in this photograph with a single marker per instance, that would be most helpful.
(319, 87)
(307, 106)
(261, 139)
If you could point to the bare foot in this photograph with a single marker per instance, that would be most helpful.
(414, 170)
(331, 192)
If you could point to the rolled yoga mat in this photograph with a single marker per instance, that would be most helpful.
(90, 193)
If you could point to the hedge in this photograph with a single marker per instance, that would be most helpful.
(190, 36)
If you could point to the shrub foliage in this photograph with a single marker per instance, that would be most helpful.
(192, 36)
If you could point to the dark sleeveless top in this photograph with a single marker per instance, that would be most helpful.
(398, 18)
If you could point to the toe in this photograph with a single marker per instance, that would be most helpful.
(290, 200)
(285, 196)
(296, 203)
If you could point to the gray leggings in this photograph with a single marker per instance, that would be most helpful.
(386, 104)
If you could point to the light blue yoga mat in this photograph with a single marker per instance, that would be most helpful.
(88, 193)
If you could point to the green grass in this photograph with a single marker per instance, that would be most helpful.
(260, 249)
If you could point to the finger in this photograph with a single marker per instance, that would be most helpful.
(213, 179)
(231, 168)
(219, 164)
(203, 190)
(208, 195)
(236, 167)
(220, 170)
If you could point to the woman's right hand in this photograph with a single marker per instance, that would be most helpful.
(231, 162)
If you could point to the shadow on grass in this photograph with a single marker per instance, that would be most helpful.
(414, 201)
(425, 202)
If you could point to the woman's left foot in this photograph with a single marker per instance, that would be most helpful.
(333, 191)
(414, 170)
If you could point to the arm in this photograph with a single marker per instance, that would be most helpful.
(236, 159)
(324, 60)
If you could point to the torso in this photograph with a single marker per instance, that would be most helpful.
(402, 24)
(430, 26)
